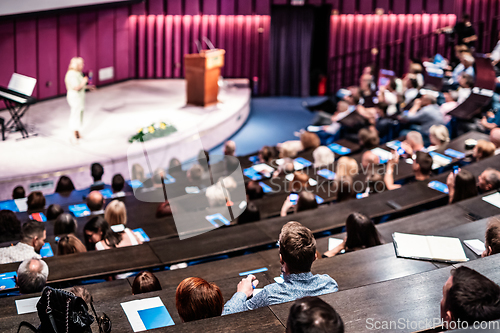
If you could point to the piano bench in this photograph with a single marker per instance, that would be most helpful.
(2, 125)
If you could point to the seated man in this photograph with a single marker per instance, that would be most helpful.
(95, 202)
(492, 238)
(414, 142)
(96, 171)
(297, 253)
(313, 315)
(489, 180)
(117, 185)
(32, 276)
(469, 297)
(32, 239)
(422, 168)
(423, 114)
(230, 148)
(495, 138)
(18, 193)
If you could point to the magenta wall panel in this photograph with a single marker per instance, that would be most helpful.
(169, 25)
(174, 7)
(150, 46)
(141, 46)
(195, 34)
(230, 47)
(315, 2)
(121, 44)
(105, 42)
(159, 38)
(264, 75)
(155, 7)
(132, 37)
(68, 46)
(7, 56)
(348, 7)
(26, 52)
(210, 7)
(186, 39)
(384, 4)
(87, 39)
(399, 7)
(176, 41)
(365, 7)
(139, 8)
(47, 57)
(416, 7)
(227, 7)
(221, 42)
(239, 59)
(262, 7)
(192, 7)
(432, 7)
(245, 7)
(280, 2)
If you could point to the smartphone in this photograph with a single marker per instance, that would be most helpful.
(40, 217)
(456, 169)
(293, 198)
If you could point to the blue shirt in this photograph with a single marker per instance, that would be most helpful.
(426, 117)
(295, 286)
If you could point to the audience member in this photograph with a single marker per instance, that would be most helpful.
(250, 214)
(347, 166)
(254, 190)
(375, 182)
(307, 141)
(492, 238)
(195, 174)
(32, 276)
(423, 114)
(439, 137)
(491, 120)
(64, 185)
(368, 139)
(422, 168)
(323, 157)
(117, 183)
(158, 178)
(461, 186)
(299, 182)
(82, 292)
(95, 230)
(369, 160)
(18, 193)
(306, 200)
(466, 83)
(197, 299)
(164, 209)
(387, 94)
(414, 142)
(344, 188)
(450, 103)
(217, 196)
(36, 201)
(10, 226)
(70, 244)
(96, 171)
(483, 149)
(495, 137)
(297, 253)
(313, 315)
(266, 154)
(488, 180)
(466, 66)
(32, 239)
(229, 148)
(116, 215)
(138, 173)
(469, 297)
(53, 211)
(360, 234)
(145, 282)
(95, 202)
(65, 224)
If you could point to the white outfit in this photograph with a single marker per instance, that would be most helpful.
(463, 94)
(76, 99)
(495, 54)
(130, 234)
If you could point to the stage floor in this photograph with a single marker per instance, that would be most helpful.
(112, 115)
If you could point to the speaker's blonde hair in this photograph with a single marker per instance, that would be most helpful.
(74, 62)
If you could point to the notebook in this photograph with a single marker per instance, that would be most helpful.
(338, 149)
(79, 210)
(7, 280)
(146, 314)
(493, 199)
(434, 248)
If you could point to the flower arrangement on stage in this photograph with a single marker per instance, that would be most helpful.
(153, 131)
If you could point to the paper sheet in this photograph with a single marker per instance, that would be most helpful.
(133, 308)
(333, 242)
(475, 245)
(27, 305)
(493, 199)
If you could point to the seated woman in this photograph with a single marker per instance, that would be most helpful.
(347, 166)
(145, 282)
(53, 211)
(197, 299)
(70, 244)
(461, 186)
(65, 224)
(344, 188)
(307, 141)
(64, 185)
(95, 230)
(361, 233)
(323, 157)
(483, 149)
(306, 200)
(439, 137)
(116, 215)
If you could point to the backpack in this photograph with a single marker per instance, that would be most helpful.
(60, 311)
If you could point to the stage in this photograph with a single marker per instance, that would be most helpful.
(112, 115)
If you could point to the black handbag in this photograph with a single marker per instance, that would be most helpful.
(60, 311)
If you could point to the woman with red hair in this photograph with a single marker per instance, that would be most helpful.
(196, 299)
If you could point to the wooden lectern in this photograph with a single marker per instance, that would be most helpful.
(202, 72)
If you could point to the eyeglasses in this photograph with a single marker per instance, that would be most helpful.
(103, 321)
